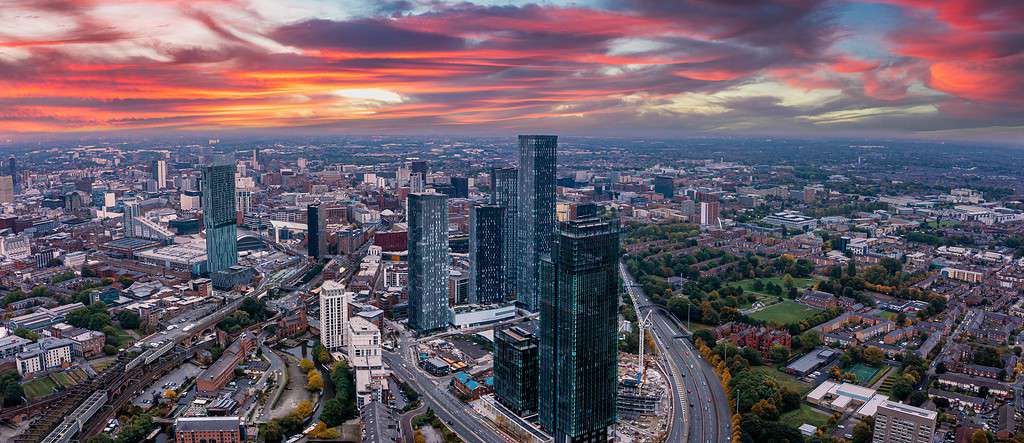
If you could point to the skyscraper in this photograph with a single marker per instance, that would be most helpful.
(535, 212)
(578, 331)
(504, 193)
(485, 254)
(515, 369)
(900, 423)
(12, 170)
(316, 241)
(219, 214)
(428, 261)
(6, 189)
(460, 187)
(333, 314)
(159, 173)
(663, 185)
(709, 213)
(132, 209)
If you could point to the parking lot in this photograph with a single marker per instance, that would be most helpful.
(173, 380)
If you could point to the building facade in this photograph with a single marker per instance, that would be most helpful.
(334, 301)
(578, 331)
(900, 423)
(486, 254)
(159, 173)
(515, 370)
(535, 213)
(219, 215)
(505, 193)
(209, 430)
(663, 185)
(429, 264)
(316, 239)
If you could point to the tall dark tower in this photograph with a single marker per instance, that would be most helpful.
(12, 170)
(428, 262)
(578, 331)
(485, 254)
(535, 212)
(664, 185)
(316, 241)
(505, 193)
(219, 215)
(515, 369)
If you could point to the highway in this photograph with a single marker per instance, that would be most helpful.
(703, 405)
(460, 417)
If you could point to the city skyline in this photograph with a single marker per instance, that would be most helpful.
(871, 68)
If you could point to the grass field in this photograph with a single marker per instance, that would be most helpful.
(863, 372)
(748, 287)
(805, 414)
(785, 380)
(39, 387)
(786, 312)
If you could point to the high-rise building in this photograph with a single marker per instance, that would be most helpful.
(485, 254)
(12, 170)
(460, 187)
(159, 173)
(709, 213)
(515, 369)
(505, 193)
(316, 240)
(420, 167)
(663, 185)
(6, 189)
(132, 209)
(900, 423)
(535, 212)
(578, 331)
(219, 216)
(428, 261)
(334, 302)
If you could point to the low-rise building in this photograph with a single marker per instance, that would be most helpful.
(47, 353)
(220, 372)
(209, 430)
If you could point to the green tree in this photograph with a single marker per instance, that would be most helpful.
(27, 334)
(333, 413)
(128, 319)
(863, 431)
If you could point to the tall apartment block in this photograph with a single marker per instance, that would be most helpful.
(505, 193)
(515, 370)
(219, 215)
(578, 331)
(535, 213)
(486, 254)
(900, 423)
(428, 262)
(334, 300)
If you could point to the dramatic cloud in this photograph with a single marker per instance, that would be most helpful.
(612, 67)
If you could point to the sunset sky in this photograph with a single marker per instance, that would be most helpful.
(916, 68)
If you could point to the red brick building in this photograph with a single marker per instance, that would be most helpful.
(209, 430)
(221, 371)
(757, 337)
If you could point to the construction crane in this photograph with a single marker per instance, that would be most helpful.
(644, 324)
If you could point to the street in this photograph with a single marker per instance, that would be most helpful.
(703, 406)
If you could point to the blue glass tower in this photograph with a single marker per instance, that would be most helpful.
(505, 193)
(219, 214)
(535, 212)
(485, 254)
(428, 262)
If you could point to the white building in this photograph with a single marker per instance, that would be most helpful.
(363, 344)
(333, 314)
(46, 354)
(16, 247)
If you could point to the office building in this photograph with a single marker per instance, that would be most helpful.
(219, 215)
(420, 167)
(578, 331)
(11, 169)
(159, 173)
(663, 185)
(316, 238)
(334, 300)
(6, 189)
(505, 193)
(535, 212)
(428, 262)
(900, 423)
(485, 254)
(515, 369)
(460, 187)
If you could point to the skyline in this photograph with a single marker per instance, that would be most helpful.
(878, 68)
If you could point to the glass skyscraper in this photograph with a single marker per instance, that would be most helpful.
(535, 212)
(428, 262)
(578, 331)
(485, 254)
(219, 214)
(515, 369)
(316, 240)
(505, 193)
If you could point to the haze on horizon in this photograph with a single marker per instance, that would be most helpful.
(831, 68)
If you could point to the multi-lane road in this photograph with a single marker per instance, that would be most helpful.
(701, 413)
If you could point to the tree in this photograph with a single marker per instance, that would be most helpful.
(304, 409)
(751, 387)
(170, 394)
(979, 436)
(790, 400)
(779, 354)
(873, 355)
(851, 268)
(100, 438)
(902, 389)
(787, 281)
(917, 398)
(10, 386)
(314, 382)
(766, 410)
(333, 413)
(272, 431)
(810, 339)
(321, 431)
(128, 319)
(27, 334)
(864, 431)
(306, 365)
